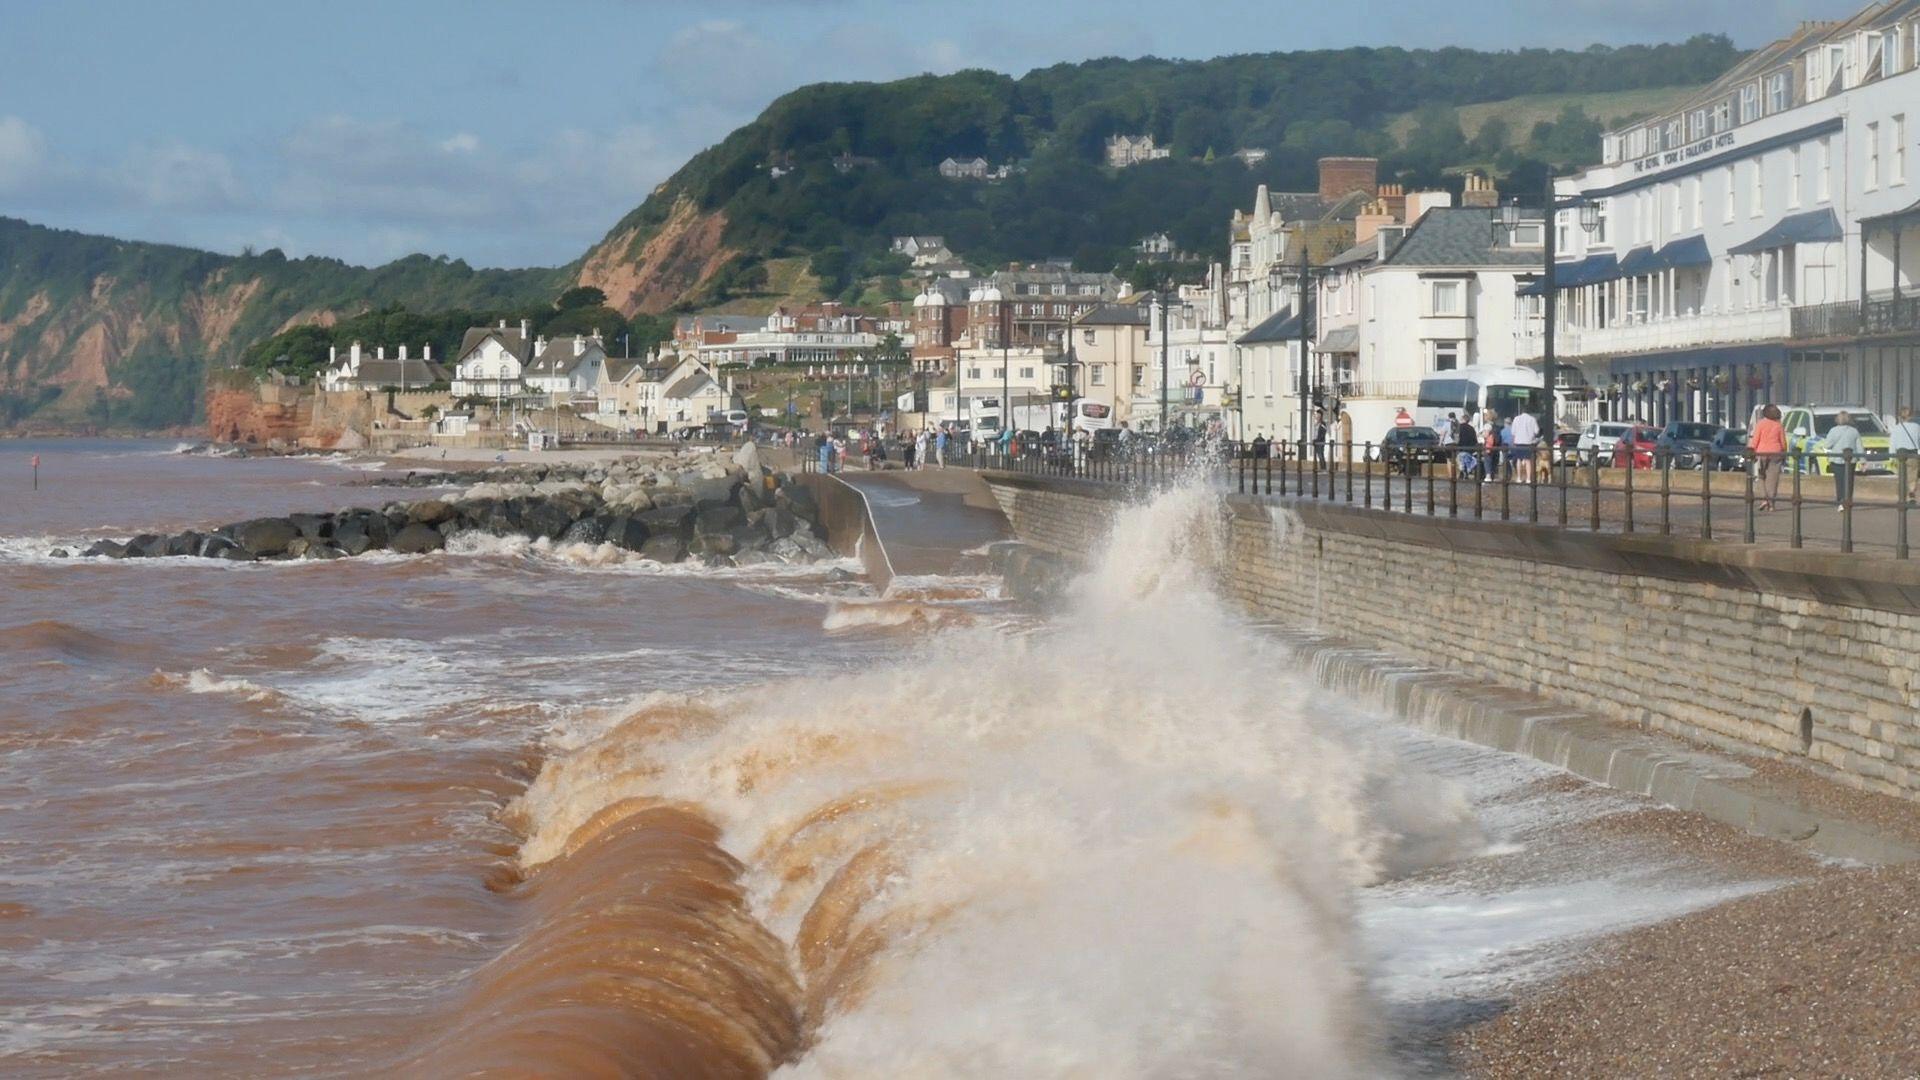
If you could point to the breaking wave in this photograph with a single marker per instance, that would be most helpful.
(1123, 844)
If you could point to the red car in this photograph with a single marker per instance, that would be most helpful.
(1636, 445)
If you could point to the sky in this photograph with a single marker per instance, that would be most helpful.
(516, 132)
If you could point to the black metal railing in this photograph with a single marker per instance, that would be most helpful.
(1885, 315)
(1847, 502)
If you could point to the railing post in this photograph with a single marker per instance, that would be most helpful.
(1593, 491)
(1798, 538)
(1430, 481)
(1633, 466)
(1349, 455)
(1453, 489)
(1366, 456)
(1506, 494)
(1904, 504)
(1750, 533)
(1846, 503)
(1665, 461)
(1406, 493)
(1241, 454)
(1706, 498)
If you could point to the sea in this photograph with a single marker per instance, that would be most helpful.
(513, 809)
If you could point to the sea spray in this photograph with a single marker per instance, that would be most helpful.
(1121, 844)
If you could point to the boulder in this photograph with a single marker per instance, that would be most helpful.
(354, 536)
(627, 531)
(146, 546)
(219, 547)
(187, 543)
(431, 512)
(712, 522)
(106, 549)
(588, 530)
(672, 520)
(666, 549)
(797, 501)
(778, 523)
(262, 537)
(750, 498)
(545, 518)
(713, 544)
(418, 539)
(398, 515)
(747, 459)
(712, 492)
(58, 553)
(298, 547)
(666, 497)
(313, 526)
(325, 551)
(751, 537)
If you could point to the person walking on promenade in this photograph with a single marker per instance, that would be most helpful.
(1464, 464)
(1526, 440)
(1319, 440)
(920, 449)
(906, 452)
(1490, 451)
(1841, 438)
(823, 448)
(1346, 435)
(1768, 443)
(940, 448)
(1905, 443)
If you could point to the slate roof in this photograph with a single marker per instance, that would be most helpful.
(511, 340)
(1358, 253)
(1460, 236)
(1282, 325)
(558, 358)
(734, 324)
(1114, 315)
(412, 371)
(691, 385)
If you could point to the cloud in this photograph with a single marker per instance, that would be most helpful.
(176, 176)
(462, 143)
(24, 158)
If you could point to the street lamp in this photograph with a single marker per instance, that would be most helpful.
(1166, 365)
(1509, 223)
(1308, 273)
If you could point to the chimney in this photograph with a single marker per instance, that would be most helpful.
(1395, 198)
(1420, 202)
(1480, 192)
(1389, 236)
(525, 329)
(403, 352)
(503, 324)
(579, 345)
(1342, 176)
(354, 355)
(1371, 219)
(426, 351)
(333, 355)
(380, 352)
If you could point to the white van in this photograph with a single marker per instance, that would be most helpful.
(1467, 391)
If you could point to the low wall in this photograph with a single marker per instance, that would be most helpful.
(1812, 659)
(849, 521)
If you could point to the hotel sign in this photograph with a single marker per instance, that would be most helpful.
(1684, 154)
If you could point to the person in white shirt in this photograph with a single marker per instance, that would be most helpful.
(1905, 442)
(1526, 437)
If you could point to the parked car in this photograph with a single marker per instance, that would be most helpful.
(1807, 427)
(1689, 444)
(1406, 449)
(1729, 451)
(1598, 437)
(1635, 446)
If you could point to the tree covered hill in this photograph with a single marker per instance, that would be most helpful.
(832, 171)
(821, 180)
(90, 322)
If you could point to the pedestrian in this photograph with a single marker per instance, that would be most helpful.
(906, 454)
(1346, 436)
(1490, 450)
(1444, 428)
(920, 449)
(1319, 440)
(1843, 438)
(1463, 438)
(1526, 438)
(940, 448)
(823, 449)
(1905, 444)
(1768, 443)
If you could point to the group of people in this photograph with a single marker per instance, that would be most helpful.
(1767, 442)
(919, 450)
(1486, 446)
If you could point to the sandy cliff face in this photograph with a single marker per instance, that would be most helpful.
(672, 263)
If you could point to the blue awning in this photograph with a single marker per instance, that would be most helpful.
(1591, 270)
(1812, 227)
(1691, 251)
(1640, 260)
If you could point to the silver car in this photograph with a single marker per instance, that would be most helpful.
(1597, 439)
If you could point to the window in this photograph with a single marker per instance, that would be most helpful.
(1059, 290)
(1697, 125)
(1099, 374)
(1836, 68)
(1759, 189)
(1448, 298)
(1899, 174)
(1793, 180)
(1086, 336)
(1601, 213)
(1026, 372)
(1723, 116)
(1872, 181)
(1529, 234)
(1699, 191)
(1140, 377)
(1562, 232)
(1679, 220)
(1813, 76)
(1446, 355)
(1824, 183)
(1749, 103)
(973, 373)
(1779, 96)
(1674, 139)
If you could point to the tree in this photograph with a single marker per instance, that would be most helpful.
(1491, 139)
(1573, 139)
(580, 296)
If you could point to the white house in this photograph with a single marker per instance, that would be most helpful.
(357, 369)
(1125, 150)
(570, 368)
(690, 393)
(1760, 241)
(492, 361)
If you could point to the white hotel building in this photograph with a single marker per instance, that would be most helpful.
(1761, 242)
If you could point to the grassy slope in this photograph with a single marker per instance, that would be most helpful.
(1522, 113)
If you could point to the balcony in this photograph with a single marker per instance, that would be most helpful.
(1885, 314)
(1661, 335)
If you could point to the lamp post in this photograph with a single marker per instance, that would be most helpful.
(1006, 364)
(1509, 223)
(1308, 274)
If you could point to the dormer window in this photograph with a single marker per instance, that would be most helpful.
(1697, 125)
(1723, 116)
(1749, 103)
(1779, 97)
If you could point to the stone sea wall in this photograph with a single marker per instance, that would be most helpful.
(1815, 661)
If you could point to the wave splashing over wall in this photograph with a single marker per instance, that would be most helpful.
(1121, 844)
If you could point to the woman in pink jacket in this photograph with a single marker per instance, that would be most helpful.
(1769, 445)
